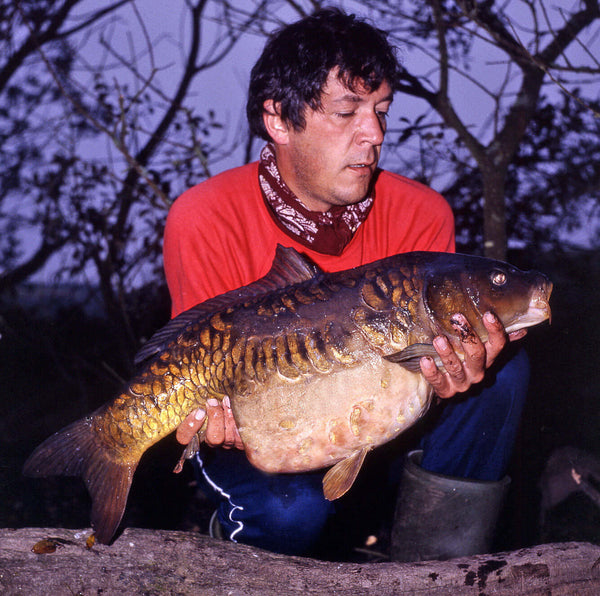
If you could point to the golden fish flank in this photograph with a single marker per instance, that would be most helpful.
(319, 368)
(315, 353)
(373, 296)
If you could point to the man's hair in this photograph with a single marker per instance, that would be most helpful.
(296, 61)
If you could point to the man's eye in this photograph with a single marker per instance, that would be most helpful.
(344, 114)
(382, 115)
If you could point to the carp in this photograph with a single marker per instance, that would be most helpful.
(319, 367)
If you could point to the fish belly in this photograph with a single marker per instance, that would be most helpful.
(317, 421)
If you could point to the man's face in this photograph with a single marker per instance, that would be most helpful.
(333, 160)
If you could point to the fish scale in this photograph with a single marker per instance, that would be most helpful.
(156, 387)
(319, 368)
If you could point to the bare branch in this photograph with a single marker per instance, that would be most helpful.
(34, 263)
(35, 39)
(441, 100)
(543, 59)
(134, 163)
(96, 16)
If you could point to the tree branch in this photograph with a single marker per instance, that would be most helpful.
(39, 258)
(35, 39)
(161, 561)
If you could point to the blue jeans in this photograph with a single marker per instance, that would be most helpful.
(472, 437)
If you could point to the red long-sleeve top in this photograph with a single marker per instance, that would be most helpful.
(220, 234)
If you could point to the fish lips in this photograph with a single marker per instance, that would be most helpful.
(539, 308)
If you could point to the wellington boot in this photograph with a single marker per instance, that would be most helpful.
(441, 517)
(215, 530)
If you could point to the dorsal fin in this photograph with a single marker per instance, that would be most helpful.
(289, 267)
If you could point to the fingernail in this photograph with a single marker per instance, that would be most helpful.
(490, 317)
(212, 402)
(199, 415)
(458, 319)
(440, 342)
(227, 402)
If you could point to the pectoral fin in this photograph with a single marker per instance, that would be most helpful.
(190, 450)
(410, 357)
(341, 477)
(192, 447)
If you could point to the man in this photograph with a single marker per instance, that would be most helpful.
(319, 95)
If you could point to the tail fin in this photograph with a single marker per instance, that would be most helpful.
(76, 450)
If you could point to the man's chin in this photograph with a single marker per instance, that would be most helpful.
(351, 199)
(357, 193)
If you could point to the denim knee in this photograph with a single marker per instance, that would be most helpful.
(475, 434)
(287, 516)
(283, 513)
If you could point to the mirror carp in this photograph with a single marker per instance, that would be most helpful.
(319, 367)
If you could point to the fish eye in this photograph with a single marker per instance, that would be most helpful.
(499, 278)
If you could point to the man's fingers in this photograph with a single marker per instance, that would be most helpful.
(449, 359)
(435, 378)
(474, 351)
(496, 337)
(190, 426)
(459, 374)
(456, 377)
(232, 436)
(238, 443)
(215, 430)
(229, 439)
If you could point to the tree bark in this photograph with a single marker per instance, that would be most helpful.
(495, 244)
(165, 562)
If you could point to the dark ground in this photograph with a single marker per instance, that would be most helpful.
(55, 370)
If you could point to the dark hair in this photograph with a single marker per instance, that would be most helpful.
(297, 59)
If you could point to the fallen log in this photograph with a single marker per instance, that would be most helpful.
(165, 562)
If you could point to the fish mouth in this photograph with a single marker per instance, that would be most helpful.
(538, 310)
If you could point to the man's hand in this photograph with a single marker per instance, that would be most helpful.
(459, 376)
(221, 430)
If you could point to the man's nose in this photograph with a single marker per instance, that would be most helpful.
(372, 129)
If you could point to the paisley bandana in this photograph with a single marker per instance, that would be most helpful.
(327, 232)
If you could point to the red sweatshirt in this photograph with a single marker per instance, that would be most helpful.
(220, 235)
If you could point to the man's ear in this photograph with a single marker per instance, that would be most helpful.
(275, 125)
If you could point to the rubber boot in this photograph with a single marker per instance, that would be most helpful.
(215, 529)
(441, 517)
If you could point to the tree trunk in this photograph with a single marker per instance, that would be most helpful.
(494, 212)
(164, 562)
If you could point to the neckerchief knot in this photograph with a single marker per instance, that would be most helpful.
(327, 232)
